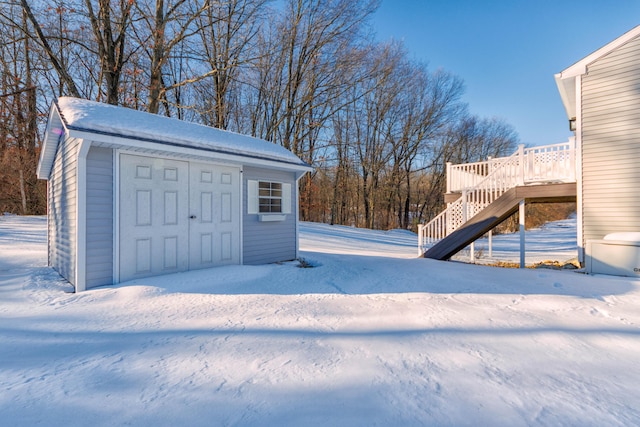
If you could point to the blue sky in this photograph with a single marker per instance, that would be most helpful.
(507, 51)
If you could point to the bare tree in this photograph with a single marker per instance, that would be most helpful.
(429, 103)
(303, 55)
(111, 35)
(228, 29)
(56, 59)
(372, 126)
(18, 119)
(167, 25)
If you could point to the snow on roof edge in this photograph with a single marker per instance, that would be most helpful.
(90, 116)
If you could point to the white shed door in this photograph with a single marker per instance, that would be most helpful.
(176, 216)
(214, 226)
(154, 223)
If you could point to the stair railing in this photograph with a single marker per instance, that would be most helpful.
(472, 201)
(481, 183)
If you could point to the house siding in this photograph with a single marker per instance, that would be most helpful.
(61, 211)
(99, 206)
(267, 242)
(611, 143)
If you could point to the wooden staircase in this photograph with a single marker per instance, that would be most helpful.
(484, 194)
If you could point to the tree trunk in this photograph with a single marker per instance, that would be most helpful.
(157, 59)
(23, 194)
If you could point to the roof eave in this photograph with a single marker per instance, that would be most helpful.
(566, 80)
(567, 90)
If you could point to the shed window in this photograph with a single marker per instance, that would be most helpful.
(268, 197)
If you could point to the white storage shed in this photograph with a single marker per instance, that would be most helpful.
(132, 194)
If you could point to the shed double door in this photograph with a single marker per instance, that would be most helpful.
(176, 216)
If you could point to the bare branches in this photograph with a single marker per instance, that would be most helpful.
(163, 46)
(111, 50)
(55, 61)
(304, 74)
(17, 92)
(18, 120)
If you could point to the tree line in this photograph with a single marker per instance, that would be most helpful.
(377, 126)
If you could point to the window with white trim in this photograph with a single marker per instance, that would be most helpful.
(268, 197)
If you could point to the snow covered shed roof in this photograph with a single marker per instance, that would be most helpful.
(127, 128)
(566, 80)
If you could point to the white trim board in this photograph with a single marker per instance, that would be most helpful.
(81, 216)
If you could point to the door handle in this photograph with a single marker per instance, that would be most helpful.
(192, 217)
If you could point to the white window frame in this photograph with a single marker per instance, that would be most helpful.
(253, 200)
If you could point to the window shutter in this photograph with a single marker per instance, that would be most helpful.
(252, 197)
(286, 198)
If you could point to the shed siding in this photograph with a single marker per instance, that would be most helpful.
(611, 143)
(99, 270)
(61, 209)
(267, 242)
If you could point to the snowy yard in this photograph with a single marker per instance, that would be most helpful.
(370, 335)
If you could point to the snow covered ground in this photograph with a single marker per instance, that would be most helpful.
(369, 336)
(554, 241)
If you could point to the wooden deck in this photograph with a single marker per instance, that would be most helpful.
(498, 211)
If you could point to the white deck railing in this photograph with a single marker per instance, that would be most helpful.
(549, 163)
(481, 183)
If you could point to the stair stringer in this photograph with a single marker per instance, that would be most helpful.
(496, 212)
(487, 219)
